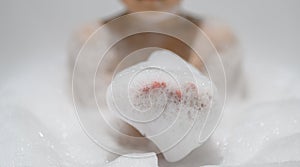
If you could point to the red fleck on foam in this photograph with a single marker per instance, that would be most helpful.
(146, 89)
(163, 84)
(155, 84)
(178, 93)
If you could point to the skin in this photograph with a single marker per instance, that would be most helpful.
(151, 5)
(219, 34)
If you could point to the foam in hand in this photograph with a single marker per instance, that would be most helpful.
(168, 101)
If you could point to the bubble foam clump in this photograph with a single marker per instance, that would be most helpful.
(168, 101)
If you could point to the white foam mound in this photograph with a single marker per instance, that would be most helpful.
(168, 101)
(135, 160)
(266, 133)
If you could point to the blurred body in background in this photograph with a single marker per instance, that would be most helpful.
(218, 33)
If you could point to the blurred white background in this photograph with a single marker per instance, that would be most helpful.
(38, 28)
